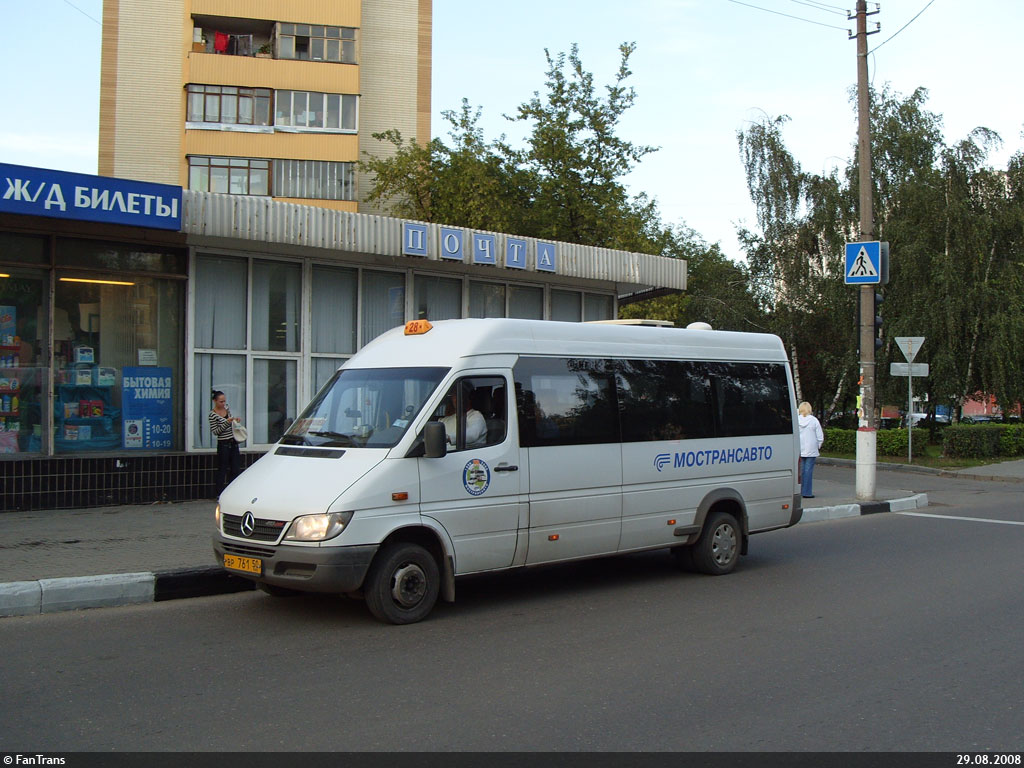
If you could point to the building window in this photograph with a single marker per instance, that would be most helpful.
(229, 175)
(312, 42)
(383, 303)
(566, 306)
(247, 342)
(438, 298)
(333, 322)
(117, 344)
(526, 302)
(334, 310)
(220, 296)
(276, 301)
(597, 307)
(224, 373)
(228, 105)
(486, 299)
(24, 297)
(250, 341)
(314, 179)
(275, 395)
(312, 111)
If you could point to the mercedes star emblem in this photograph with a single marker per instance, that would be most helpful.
(248, 524)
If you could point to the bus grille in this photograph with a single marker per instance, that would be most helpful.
(264, 530)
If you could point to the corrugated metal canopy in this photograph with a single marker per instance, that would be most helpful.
(265, 220)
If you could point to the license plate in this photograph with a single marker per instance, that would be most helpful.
(247, 564)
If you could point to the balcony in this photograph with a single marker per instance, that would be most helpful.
(232, 37)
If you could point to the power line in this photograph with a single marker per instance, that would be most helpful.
(903, 27)
(827, 6)
(83, 12)
(798, 18)
(821, 7)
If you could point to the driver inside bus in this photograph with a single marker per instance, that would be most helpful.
(476, 425)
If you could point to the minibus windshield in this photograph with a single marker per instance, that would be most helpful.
(364, 407)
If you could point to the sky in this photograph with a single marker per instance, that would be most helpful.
(702, 71)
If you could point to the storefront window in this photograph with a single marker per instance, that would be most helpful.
(383, 303)
(276, 302)
(23, 371)
(438, 298)
(566, 306)
(96, 254)
(22, 249)
(526, 303)
(220, 291)
(275, 383)
(225, 373)
(597, 307)
(334, 310)
(117, 345)
(323, 369)
(486, 300)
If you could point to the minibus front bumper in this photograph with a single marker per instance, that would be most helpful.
(306, 569)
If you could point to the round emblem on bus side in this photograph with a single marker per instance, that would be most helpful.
(476, 477)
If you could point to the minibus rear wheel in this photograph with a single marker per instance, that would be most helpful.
(717, 550)
(402, 584)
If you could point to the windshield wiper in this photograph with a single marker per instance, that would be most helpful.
(335, 437)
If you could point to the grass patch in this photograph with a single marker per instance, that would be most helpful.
(932, 458)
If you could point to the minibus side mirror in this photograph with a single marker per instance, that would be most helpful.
(434, 439)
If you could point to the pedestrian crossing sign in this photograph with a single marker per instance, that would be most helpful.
(864, 263)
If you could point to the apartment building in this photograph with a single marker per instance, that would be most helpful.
(257, 97)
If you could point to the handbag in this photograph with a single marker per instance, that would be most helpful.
(240, 433)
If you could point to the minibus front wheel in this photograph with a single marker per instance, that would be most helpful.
(402, 584)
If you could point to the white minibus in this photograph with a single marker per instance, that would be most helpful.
(468, 446)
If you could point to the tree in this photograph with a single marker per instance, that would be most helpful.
(577, 159)
(717, 289)
(954, 229)
(564, 184)
(802, 219)
(467, 184)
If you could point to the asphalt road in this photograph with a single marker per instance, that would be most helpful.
(886, 632)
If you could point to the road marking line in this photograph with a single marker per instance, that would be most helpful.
(969, 519)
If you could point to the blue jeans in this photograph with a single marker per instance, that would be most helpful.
(229, 462)
(806, 474)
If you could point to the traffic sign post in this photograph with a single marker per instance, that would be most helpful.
(867, 265)
(909, 346)
(864, 263)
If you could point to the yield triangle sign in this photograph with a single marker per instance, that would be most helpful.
(862, 265)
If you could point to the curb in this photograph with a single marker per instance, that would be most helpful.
(817, 514)
(29, 598)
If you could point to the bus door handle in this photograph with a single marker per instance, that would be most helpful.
(506, 468)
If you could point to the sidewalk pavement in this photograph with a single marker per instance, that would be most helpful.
(56, 560)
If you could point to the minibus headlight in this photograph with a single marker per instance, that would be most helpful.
(318, 527)
(216, 516)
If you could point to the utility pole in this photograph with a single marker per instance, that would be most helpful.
(867, 423)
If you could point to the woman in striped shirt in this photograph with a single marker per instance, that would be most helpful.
(229, 458)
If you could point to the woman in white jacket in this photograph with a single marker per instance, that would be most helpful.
(811, 438)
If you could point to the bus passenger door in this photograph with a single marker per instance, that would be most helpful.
(568, 424)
